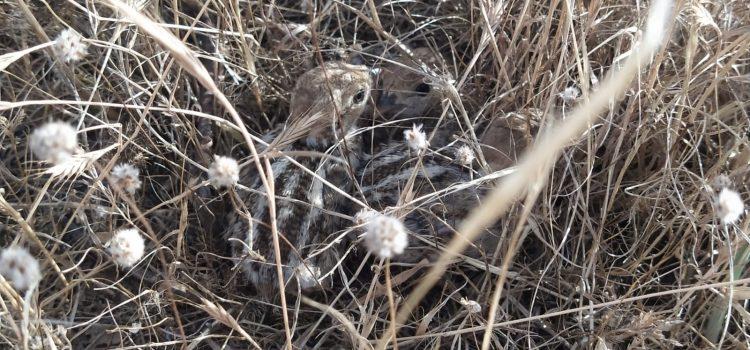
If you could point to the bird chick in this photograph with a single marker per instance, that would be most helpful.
(405, 90)
(505, 138)
(408, 93)
(432, 194)
(326, 103)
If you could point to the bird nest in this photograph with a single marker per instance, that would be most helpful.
(612, 147)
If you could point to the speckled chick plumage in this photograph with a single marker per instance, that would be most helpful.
(431, 219)
(325, 105)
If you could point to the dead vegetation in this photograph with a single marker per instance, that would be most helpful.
(617, 246)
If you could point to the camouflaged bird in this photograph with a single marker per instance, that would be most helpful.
(326, 103)
(504, 138)
(432, 193)
(405, 93)
(408, 93)
(405, 90)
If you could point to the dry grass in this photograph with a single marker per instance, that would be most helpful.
(614, 242)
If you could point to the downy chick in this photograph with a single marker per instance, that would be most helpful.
(326, 103)
(405, 90)
(432, 194)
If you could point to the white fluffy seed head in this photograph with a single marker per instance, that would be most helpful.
(416, 138)
(464, 155)
(307, 275)
(54, 142)
(385, 236)
(570, 94)
(69, 46)
(224, 172)
(127, 247)
(472, 306)
(729, 206)
(125, 176)
(19, 268)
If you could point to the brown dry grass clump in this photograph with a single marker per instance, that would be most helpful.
(614, 244)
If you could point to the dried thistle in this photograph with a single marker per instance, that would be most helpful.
(69, 46)
(224, 172)
(471, 306)
(54, 142)
(125, 176)
(416, 138)
(19, 268)
(385, 236)
(464, 155)
(127, 247)
(729, 206)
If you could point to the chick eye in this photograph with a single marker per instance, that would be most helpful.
(422, 88)
(359, 96)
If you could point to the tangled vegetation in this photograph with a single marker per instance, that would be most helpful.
(632, 236)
